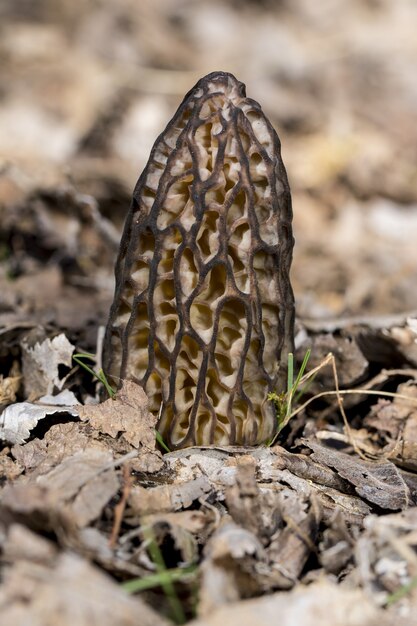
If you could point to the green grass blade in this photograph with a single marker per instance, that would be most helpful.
(302, 370)
(290, 372)
(305, 388)
(401, 592)
(167, 584)
(79, 359)
(284, 402)
(161, 442)
(290, 383)
(85, 355)
(158, 580)
(103, 379)
(299, 377)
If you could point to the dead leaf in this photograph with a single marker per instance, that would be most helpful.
(385, 553)
(18, 420)
(405, 451)
(60, 441)
(94, 545)
(127, 416)
(9, 386)
(168, 497)
(245, 503)
(9, 469)
(22, 543)
(229, 569)
(41, 361)
(73, 493)
(217, 464)
(350, 362)
(379, 482)
(71, 592)
(295, 540)
(319, 604)
(84, 482)
(304, 467)
(306, 478)
(35, 506)
(336, 546)
(194, 522)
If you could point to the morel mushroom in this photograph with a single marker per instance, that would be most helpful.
(203, 311)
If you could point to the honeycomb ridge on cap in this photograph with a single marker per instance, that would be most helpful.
(203, 310)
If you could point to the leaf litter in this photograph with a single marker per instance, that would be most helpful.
(96, 523)
(231, 524)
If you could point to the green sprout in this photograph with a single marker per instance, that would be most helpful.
(80, 357)
(161, 441)
(284, 401)
(402, 592)
(160, 579)
(163, 577)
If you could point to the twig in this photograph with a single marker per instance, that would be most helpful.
(119, 509)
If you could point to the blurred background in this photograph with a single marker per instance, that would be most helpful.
(87, 85)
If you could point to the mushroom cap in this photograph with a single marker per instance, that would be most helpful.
(203, 311)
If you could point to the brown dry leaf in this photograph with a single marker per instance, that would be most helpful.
(168, 498)
(379, 482)
(295, 540)
(386, 553)
(9, 469)
(41, 360)
(230, 568)
(336, 546)
(22, 543)
(395, 423)
(353, 507)
(218, 467)
(9, 385)
(320, 604)
(385, 419)
(70, 592)
(217, 464)
(306, 477)
(37, 507)
(245, 502)
(61, 441)
(304, 467)
(350, 363)
(128, 416)
(405, 452)
(194, 522)
(73, 493)
(95, 545)
(85, 482)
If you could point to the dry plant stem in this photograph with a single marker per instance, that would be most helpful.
(329, 359)
(119, 509)
(203, 311)
(359, 390)
(384, 374)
